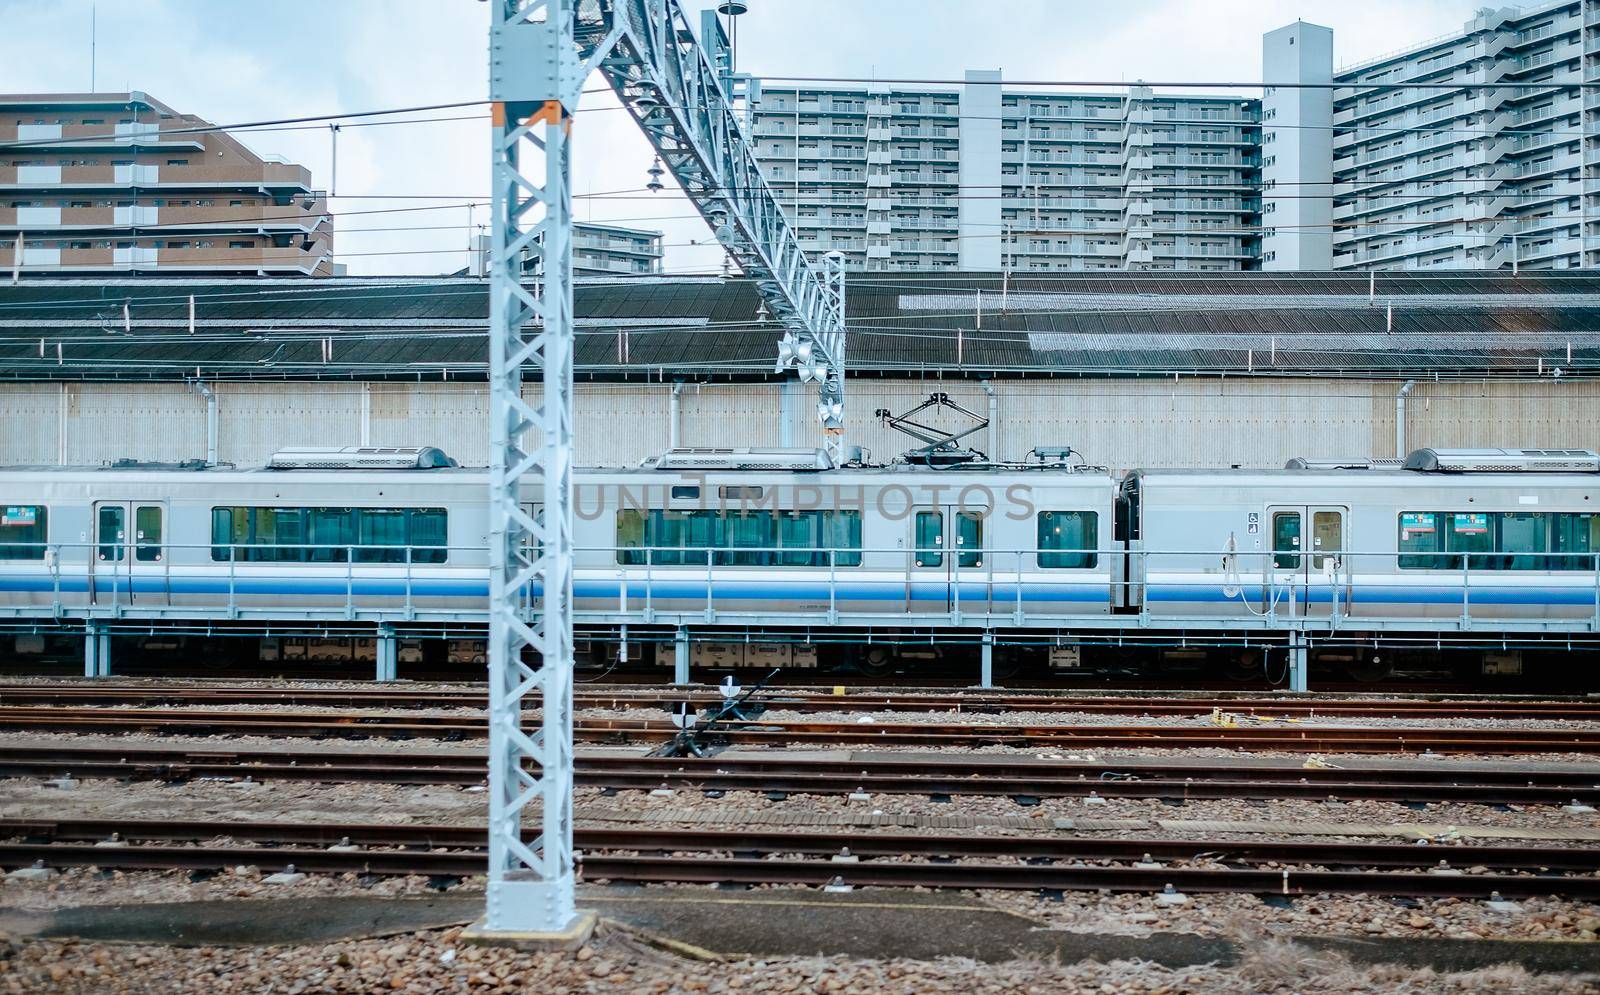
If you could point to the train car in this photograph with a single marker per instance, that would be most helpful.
(1450, 540)
(776, 537)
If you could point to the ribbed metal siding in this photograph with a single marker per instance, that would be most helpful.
(1119, 423)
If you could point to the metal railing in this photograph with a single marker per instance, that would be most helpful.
(798, 585)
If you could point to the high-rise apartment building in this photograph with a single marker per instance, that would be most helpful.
(984, 178)
(1475, 149)
(121, 182)
(1471, 149)
(597, 250)
(601, 250)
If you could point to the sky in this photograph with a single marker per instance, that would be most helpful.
(232, 62)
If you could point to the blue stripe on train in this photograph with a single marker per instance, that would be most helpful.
(812, 591)
(1377, 594)
(594, 589)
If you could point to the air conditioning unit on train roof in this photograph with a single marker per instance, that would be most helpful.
(800, 460)
(360, 458)
(1304, 463)
(1504, 461)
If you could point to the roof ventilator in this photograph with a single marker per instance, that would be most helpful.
(360, 458)
(1504, 461)
(796, 460)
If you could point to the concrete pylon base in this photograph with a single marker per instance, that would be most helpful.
(571, 938)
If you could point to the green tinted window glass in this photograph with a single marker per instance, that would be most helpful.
(147, 533)
(969, 539)
(1067, 540)
(1420, 541)
(1286, 539)
(930, 538)
(22, 531)
(1576, 534)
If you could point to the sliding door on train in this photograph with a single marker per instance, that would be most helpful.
(946, 543)
(1307, 575)
(128, 562)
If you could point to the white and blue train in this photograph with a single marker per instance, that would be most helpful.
(1485, 541)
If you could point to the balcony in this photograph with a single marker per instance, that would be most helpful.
(57, 138)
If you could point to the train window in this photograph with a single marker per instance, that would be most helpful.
(737, 493)
(739, 538)
(969, 539)
(1286, 540)
(1575, 533)
(1419, 540)
(147, 533)
(327, 535)
(1469, 532)
(1498, 540)
(748, 538)
(630, 537)
(1076, 532)
(382, 535)
(1522, 533)
(22, 531)
(224, 533)
(111, 528)
(685, 493)
(428, 533)
(1327, 536)
(330, 532)
(930, 538)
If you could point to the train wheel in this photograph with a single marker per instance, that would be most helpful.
(1371, 668)
(875, 661)
(1244, 665)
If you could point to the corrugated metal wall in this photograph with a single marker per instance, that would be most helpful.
(1120, 423)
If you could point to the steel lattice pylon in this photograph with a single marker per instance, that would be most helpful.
(532, 58)
(540, 53)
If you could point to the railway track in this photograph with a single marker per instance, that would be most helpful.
(1301, 738)
(747, 857)
(99, 694)
(924, 776)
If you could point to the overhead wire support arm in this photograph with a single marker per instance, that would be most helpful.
(679, 90)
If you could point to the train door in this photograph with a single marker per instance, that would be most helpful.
(946, 542)
(129, 561)
(1308, 575)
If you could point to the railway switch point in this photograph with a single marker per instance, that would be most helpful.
(1171, 896)
(838, 887)
(286, 876)
(38, 872)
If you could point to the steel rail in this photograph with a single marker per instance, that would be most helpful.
(740, 870)
(1021, 780)
(1295, 738)
(1571, 710)
(1058, 847)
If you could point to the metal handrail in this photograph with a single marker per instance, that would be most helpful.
(1261, 580)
